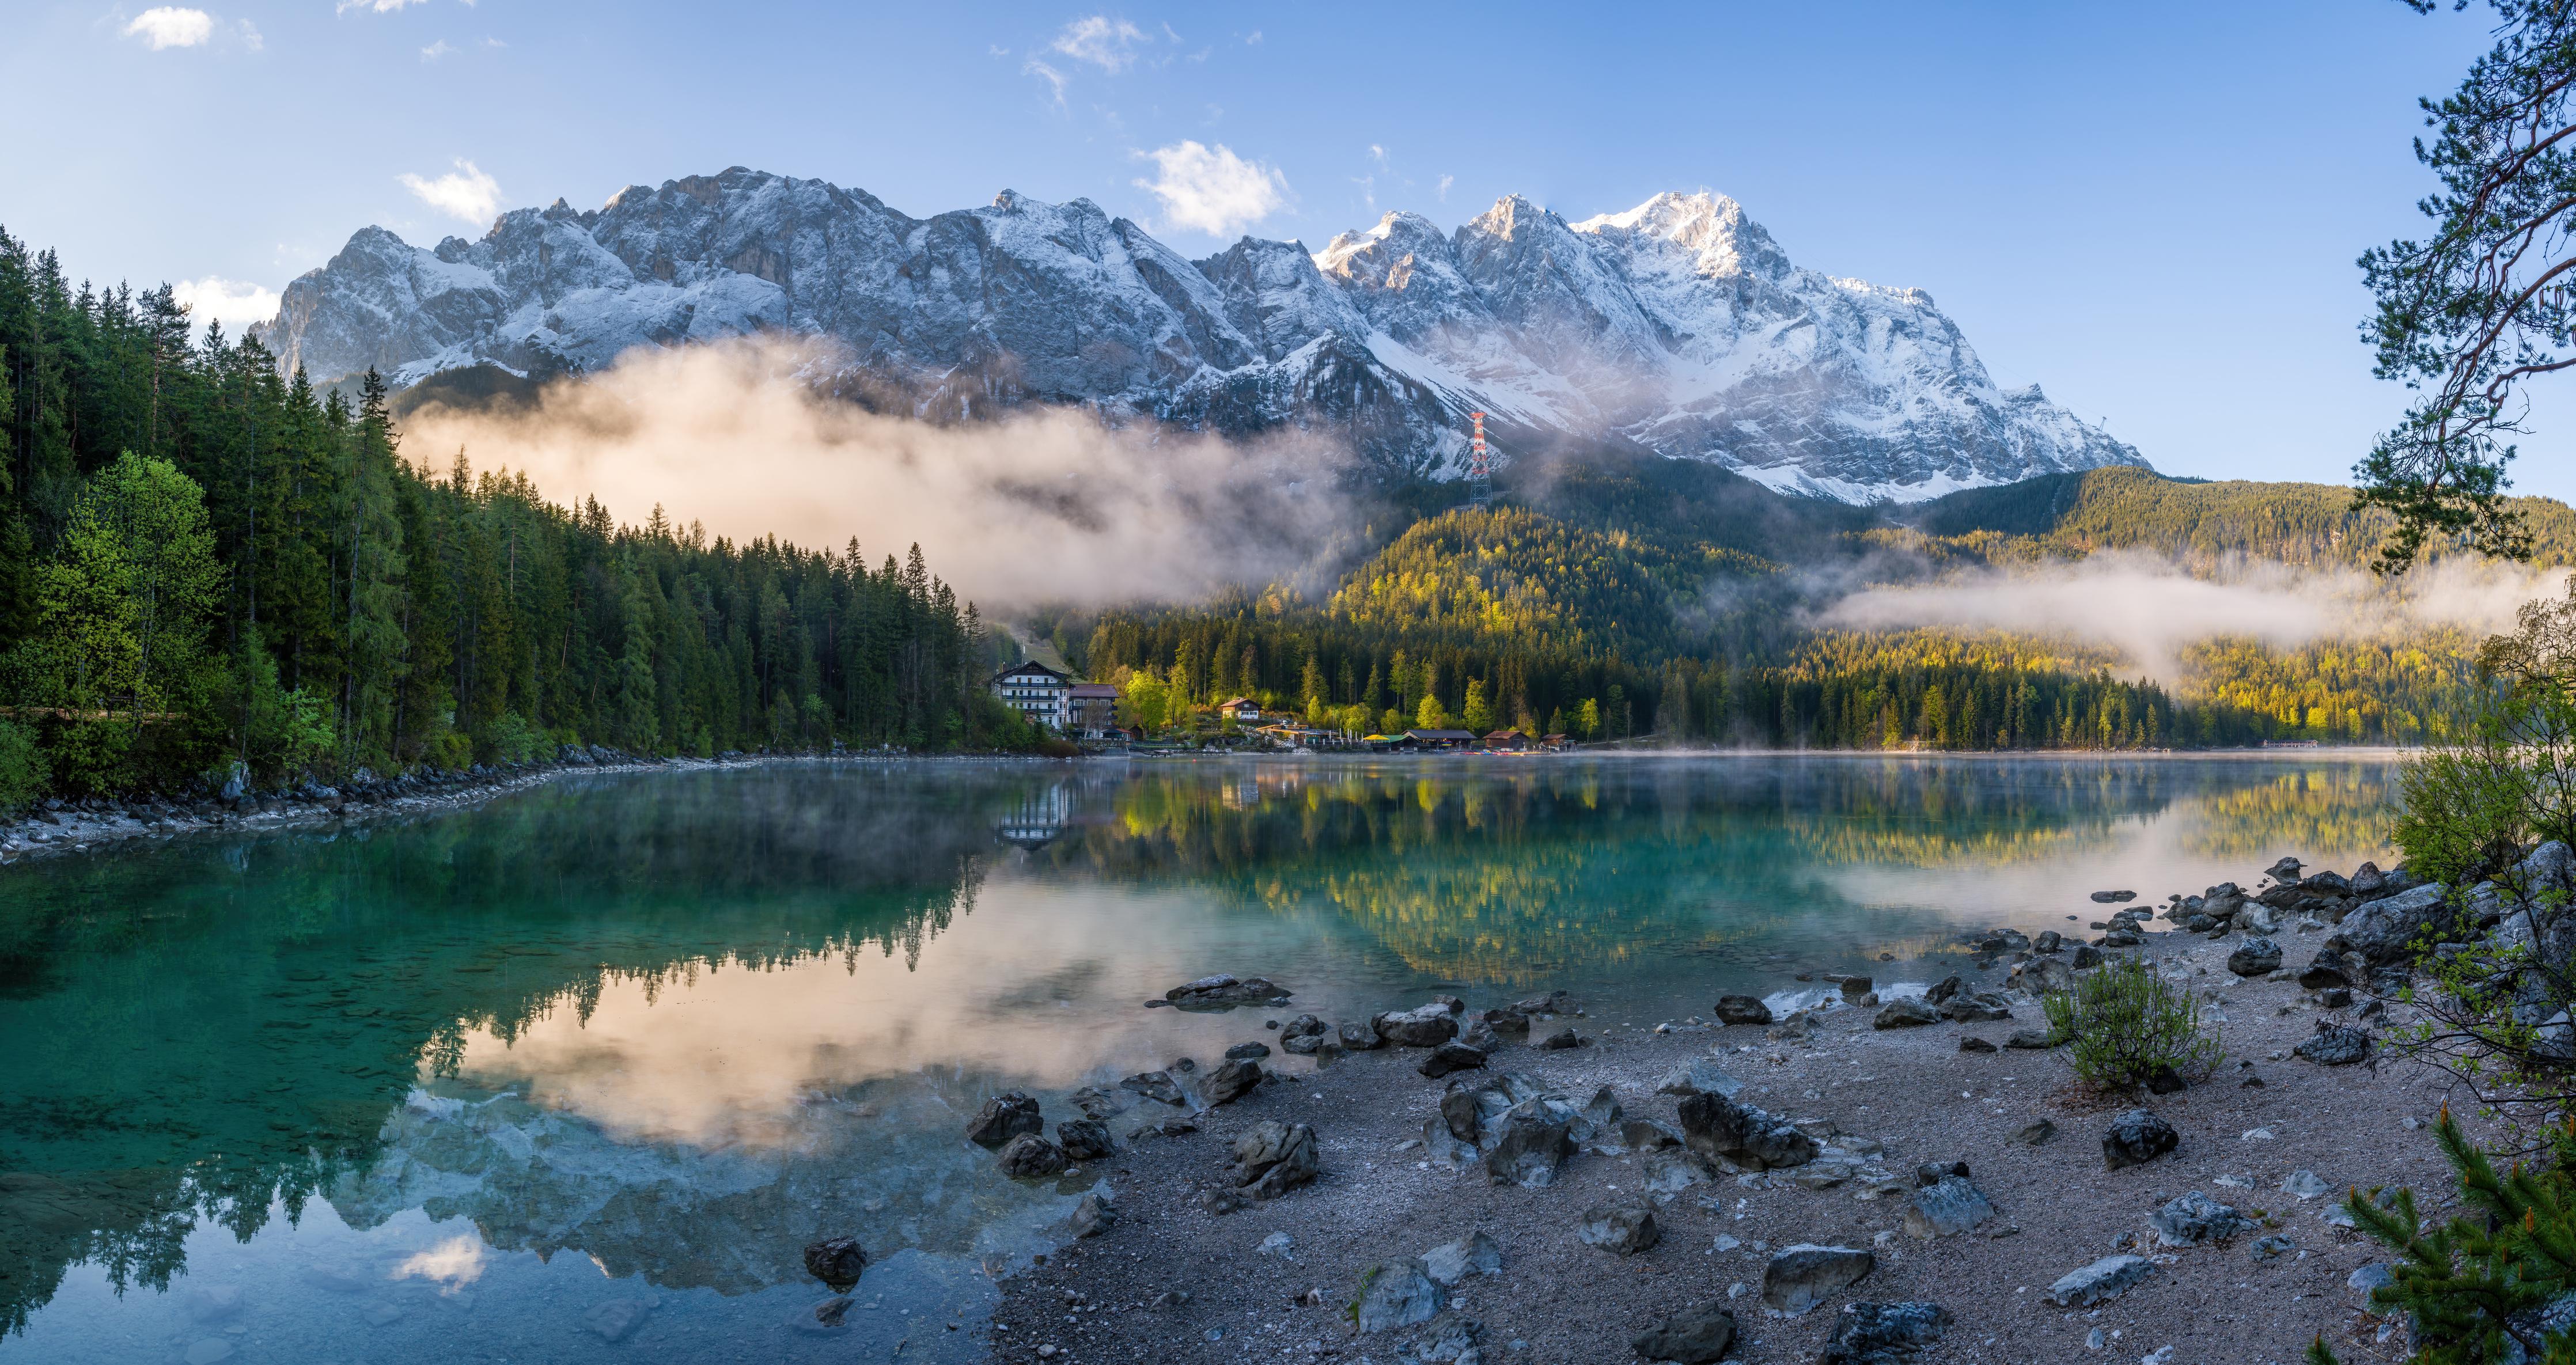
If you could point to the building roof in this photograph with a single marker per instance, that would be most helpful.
(1095, 690)
(1240, 701)
(1441, 735)
(1028, 666)
(1505, 734)
(1556, 738)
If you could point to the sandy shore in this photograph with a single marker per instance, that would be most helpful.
(1117, 1296)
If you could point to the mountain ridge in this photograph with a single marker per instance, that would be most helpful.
(1678, 327)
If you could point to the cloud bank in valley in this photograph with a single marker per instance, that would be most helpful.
(2149, 609)
(1050, 506)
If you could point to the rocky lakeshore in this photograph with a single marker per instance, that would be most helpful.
(1883, 1172)
(57, 827)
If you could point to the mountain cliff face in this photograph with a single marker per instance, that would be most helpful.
(1678, 326)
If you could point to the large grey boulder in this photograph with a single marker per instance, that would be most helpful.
(1976, 1007)
(1359, 1035)
(2100, 1282)
(1397, 1294)
(2385, 930)
(1450, 1057)
(1083, 1139)
(1693, 1336)
(2042, 975)
(1800, 1277)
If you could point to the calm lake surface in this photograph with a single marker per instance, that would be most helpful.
(575, 1075)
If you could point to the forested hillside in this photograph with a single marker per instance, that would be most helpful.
(202, 561)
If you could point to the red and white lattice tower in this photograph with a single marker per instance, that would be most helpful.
(1480, 469)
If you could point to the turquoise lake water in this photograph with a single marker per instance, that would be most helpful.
(574, 1075)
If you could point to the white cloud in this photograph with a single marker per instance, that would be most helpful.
(1214, 191)
(250, 35)
(494, 43)
(1055, 79)
(466, 192)
(1254, 40)
(376, 6)
(451, 1265)
(234, 303)
(435, 51)
(172, 27)
(1445, 182)
(1100, 40)
(1377, 154)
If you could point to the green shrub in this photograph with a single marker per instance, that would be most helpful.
(508, 738)
(22, 768)
(2124, 1026)
(2474, 1285)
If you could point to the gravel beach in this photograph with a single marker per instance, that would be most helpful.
(1171, 1281)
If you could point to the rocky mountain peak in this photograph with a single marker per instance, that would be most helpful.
(1678, 325)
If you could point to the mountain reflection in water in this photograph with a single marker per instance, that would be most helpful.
(680, 1024)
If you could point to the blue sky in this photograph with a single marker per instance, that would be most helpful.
(2150, 210)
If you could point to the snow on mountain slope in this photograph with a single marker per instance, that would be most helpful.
(1679, 325)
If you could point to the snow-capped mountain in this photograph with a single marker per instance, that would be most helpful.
(1679, 326)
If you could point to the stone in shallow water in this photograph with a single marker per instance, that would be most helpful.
(616, 1319)
(1004, 1117)
(836, 1261)
(1030, 1157)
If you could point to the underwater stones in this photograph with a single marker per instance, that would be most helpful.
(836, 1261)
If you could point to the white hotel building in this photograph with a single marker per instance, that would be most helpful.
(1037, 692)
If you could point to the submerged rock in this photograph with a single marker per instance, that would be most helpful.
(836, 1261)
(1083, 1139)
(1224, 991)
